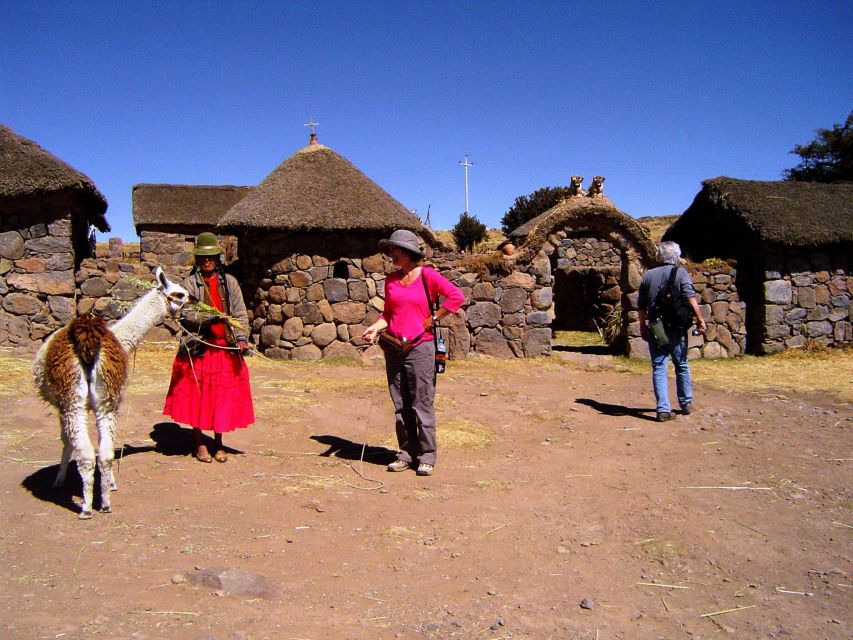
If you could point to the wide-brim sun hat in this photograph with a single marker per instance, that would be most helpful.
(206, 245)
(404, 239)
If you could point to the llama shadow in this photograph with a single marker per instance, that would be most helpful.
(349, 450)
(618, 409)
(171, 439)
(40, 483)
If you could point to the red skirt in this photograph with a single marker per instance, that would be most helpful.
(211, 392)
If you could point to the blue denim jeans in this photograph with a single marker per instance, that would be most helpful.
(677, 351)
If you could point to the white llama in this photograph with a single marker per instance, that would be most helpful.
(85, 364)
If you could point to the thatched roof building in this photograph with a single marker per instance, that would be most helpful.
(730, 217)
(317, 189)
(598, 215)
(27, 172)
(170, 206)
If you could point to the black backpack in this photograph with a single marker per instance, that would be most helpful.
(671, 307)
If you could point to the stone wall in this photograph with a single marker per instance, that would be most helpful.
(312, 297)
(36, 278)
(176, 248)
(308, 306)
(806, 298)
(724, 313)
(507, 310)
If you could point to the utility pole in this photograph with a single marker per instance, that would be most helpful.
(465, 166)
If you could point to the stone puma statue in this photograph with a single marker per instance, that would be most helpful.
(596, 189)
(576, 187)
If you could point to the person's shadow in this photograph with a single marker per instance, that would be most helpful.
(40, 483)
(349, 450)
(171, 439)
(618, 409)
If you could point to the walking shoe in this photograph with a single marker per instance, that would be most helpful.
(663, 416)
(398, 465)
(687, 409)
(425, 469)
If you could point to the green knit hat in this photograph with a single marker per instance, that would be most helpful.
(206, 245)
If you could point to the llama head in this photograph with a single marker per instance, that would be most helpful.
(176, 296)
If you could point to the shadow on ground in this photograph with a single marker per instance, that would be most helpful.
(593, 349)
(40, 483)
(349, 450)
(171, 439)
(619, 409)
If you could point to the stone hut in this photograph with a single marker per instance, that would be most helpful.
(792, 243)
(595, 256)
(47, 211)
(310, 271)
(169, 216)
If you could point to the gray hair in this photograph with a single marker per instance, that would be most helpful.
(670, 252)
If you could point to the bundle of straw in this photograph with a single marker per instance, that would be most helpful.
(206, 308)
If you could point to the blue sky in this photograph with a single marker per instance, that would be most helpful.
(656, 96)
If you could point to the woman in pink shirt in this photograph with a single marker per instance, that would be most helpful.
(408, 315)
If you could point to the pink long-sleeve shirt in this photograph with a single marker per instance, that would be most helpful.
(407, 306)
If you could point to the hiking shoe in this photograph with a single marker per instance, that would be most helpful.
(398, 465)
(425, 469)
(663, 416)
(687, 409)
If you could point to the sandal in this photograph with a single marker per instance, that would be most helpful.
(202, 455)
(221, 456)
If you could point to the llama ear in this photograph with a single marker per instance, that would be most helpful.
(160, 278)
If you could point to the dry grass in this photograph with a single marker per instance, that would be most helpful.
(459, 433)
(792, 371)
(578, 339)
(495, 237)
(656, 225)
(15, 375)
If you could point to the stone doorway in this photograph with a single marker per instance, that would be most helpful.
(584, 298)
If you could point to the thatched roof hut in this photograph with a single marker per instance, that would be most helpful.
(171, 206)
(731, 218)
(598, 215)
(317, 189)
(27, 172)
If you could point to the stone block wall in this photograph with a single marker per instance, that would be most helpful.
(506, 314)
(724, 313)
(170, 248)
(806, 297)
(36, 278)
(312, 299)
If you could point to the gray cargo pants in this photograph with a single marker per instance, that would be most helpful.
(411, 382)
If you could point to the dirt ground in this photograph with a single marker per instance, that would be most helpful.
(559, 509)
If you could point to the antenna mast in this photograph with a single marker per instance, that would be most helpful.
(465, 164)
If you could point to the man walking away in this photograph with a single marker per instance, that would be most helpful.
(667, 308)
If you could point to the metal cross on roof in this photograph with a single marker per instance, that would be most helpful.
(311, 124)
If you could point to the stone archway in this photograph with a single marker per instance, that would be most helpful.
(597, 256)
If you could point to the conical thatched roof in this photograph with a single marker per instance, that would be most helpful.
(161, 205)
(730, 215)
(317, 189)
(599, 216)
(27, 171)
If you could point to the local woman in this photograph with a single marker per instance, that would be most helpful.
(210, 388)
(408, 315)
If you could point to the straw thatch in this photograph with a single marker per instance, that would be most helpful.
(597, 215)
(159, 206)
(730, 216)
(29, 171)
(317, 189)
